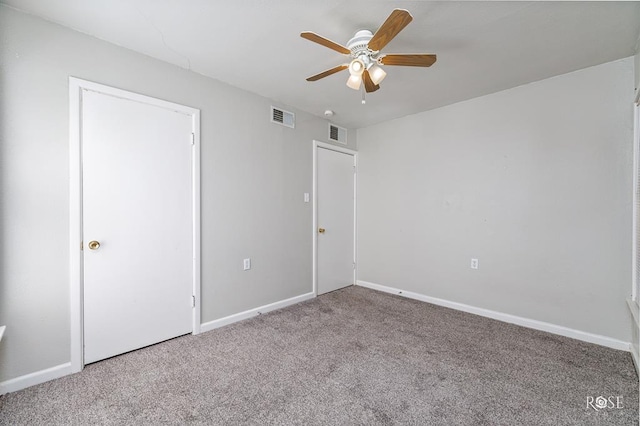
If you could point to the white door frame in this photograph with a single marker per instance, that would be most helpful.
(76, 87)
(636, 180)
(316, 145)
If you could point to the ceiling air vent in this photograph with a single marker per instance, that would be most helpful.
(337, 134)
(283, 117)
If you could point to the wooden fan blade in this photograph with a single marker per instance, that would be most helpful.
(328, 72)
(325, 42)
(368, 83)
(409, 60)
(395, 23)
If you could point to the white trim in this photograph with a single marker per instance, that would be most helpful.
(75, 224)
(196, 222)
(355, 218)
(76, 86)
(334, 148)
(316, 145)
(634, 302)
(634, 308)
(314, 222)
(211, 325)
(635, 311)
(512, 319)
(634, 204)
(35, 378)
(636, 359)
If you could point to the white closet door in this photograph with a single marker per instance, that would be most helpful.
(335, 186)
(137, 204)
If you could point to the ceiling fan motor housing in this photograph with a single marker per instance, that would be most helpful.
(359, 47)
(359, 44)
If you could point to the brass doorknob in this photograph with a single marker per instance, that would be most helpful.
(321, 230)
(94, 245)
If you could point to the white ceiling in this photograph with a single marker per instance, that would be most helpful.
(482, 47)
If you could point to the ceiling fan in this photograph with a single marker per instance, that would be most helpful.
(364, 49)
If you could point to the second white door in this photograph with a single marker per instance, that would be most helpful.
(335, 218)
(137, 224)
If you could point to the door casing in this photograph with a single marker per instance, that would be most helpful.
(316, 145)
(76, 87)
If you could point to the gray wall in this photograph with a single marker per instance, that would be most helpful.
(254, 174)
(535, 182)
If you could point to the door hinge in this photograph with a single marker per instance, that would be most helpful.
(193, 301)
(193, 138)
(81, 246)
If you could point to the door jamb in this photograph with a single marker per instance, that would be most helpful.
(76, 87)
(636, 172)
(316, 145)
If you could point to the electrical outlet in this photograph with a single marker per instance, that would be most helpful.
(474, 263)
(247, 264)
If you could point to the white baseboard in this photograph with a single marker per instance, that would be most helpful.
(634, 308)
(35, 378)
(636, 359)
(65, 369)
(524, 322)
(208, 326)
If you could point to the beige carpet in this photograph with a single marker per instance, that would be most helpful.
(354, 356)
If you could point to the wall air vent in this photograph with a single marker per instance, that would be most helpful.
(337, 134)
(280, 116)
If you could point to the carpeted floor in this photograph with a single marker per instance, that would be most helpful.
(354, 356)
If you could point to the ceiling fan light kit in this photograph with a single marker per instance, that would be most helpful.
(364, 49)
(377, 74)
(356, 67)
(354, 82)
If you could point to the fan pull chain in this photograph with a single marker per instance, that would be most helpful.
(364, 101)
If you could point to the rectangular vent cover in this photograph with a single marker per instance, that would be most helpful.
(280, 116)
(337, 134)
